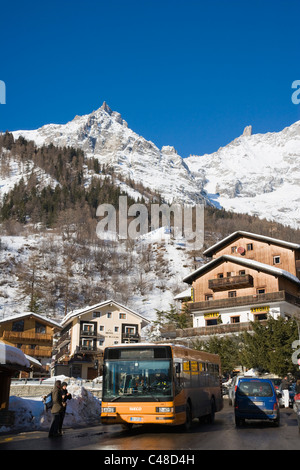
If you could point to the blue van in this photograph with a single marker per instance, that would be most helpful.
(256, 398)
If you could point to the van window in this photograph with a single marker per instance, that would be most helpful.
(255, 389)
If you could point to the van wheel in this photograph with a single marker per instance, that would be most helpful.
(239, 421)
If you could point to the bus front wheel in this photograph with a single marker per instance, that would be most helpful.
(188, 419)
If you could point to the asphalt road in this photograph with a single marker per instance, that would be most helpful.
(222, 435)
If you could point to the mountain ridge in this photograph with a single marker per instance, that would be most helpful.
(257, 174)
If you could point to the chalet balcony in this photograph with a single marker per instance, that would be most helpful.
(88, 333)
(232, 282)
(255, 299)
(26, 336)
(37, 352)
(130, 336)
(221, 329)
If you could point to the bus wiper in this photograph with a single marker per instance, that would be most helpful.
(115, 398)
(153, 396)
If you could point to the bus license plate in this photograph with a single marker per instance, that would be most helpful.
(258, 403)
(136, 418)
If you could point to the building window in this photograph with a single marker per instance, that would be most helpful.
(101, 328)
(18, 325)
(276, 259)
(242, 272)
(261, 316)
(39, 328)
(232, 293)
(235, 319)
(109, 314)
(116, 329)
(101, 342)
(220, 275)
(261, 291)
(96, 314)
(208, 297)
(233, 249)
(211, 321)
(122, 316)
(87, 328)
(249, 246)
(130, 330)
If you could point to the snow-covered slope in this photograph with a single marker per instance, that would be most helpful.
(256, 174)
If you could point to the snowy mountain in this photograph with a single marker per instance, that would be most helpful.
(256, 174)
(105, 135)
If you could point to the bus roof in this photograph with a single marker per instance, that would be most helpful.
(179, 350)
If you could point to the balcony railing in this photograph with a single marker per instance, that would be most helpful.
(26, 336)
(37, 352)
(209, 330)
(88, 333)
(232, 282)
(129, 336)
(244, 300)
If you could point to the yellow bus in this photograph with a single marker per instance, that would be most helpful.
(159, 383)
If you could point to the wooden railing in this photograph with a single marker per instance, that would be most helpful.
(244, 300)
(231, 282)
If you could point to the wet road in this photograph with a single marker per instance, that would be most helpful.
(222, 435)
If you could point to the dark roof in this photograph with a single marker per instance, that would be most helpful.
(235, 235)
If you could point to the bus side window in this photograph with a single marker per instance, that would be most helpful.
(202, 370)
(178, 381)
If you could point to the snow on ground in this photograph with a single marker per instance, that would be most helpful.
(30, 414)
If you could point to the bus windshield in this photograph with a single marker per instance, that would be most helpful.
(138, 380)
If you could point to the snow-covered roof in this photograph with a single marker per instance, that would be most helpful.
(183, 295)
(31, 314)
(9, 355)
(90, 308)
(240, 233)
(250, 263)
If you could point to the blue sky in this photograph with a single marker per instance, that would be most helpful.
(189, 73)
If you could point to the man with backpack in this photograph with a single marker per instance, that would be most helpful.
(57, 408)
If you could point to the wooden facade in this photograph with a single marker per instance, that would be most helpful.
(32, 333)
(277, 253)
(248, 275)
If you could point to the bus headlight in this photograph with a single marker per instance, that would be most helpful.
(164, 409)
(109, 409)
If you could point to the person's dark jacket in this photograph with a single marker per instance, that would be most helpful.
(285, 384)
(57, 406)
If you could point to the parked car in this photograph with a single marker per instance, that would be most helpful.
(292, 392)
(276, 383)
(232, 388)
(256, 398)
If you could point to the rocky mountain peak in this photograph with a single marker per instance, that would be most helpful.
(247, 131)
(106, 108)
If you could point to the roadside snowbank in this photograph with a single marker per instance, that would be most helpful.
(30, 414)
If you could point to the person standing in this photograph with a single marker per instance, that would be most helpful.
(56, 409)
(285, 391)
(65, 397)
